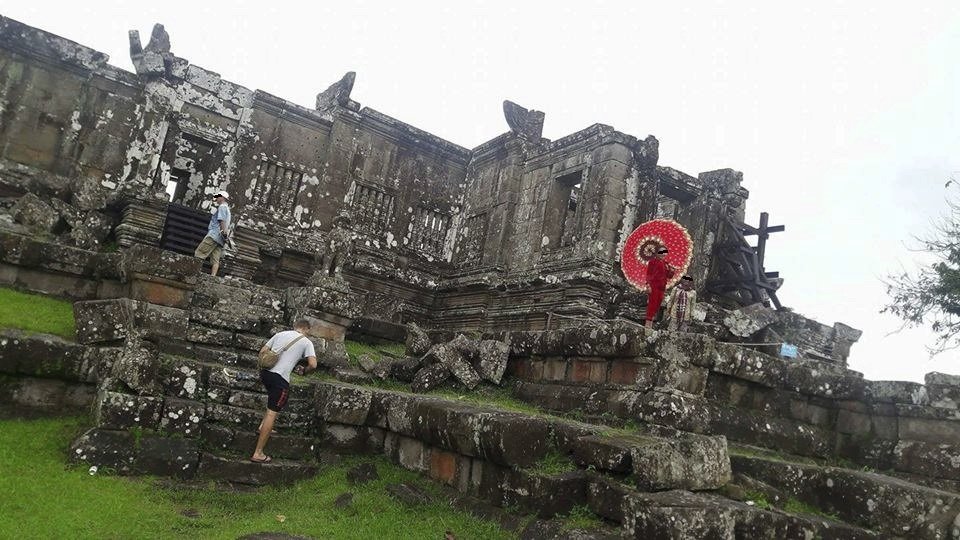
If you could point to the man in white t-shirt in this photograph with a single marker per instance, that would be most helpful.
(293, 346)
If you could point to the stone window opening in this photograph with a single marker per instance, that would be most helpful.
(356, 167)
(428, 232)
(177, 185)
(562, 215)
(277, 187)
(372, 210)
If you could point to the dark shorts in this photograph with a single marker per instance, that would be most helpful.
(278, 390)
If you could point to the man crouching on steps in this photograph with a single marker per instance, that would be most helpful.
(292, 345)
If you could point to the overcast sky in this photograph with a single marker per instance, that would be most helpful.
(843, 116)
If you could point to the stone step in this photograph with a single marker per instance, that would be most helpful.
(685, 514)
(242, 471)
(888, 505)
(225, 441)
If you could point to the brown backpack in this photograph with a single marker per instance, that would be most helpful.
(267, 358)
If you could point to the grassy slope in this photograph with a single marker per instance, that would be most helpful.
(36, 313)
(40, 498)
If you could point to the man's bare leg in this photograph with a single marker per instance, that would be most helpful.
(214, 267)
(648, 324)
(265, 427)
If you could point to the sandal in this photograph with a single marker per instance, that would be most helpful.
(266, 459)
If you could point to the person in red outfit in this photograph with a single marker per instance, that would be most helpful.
(658, 273)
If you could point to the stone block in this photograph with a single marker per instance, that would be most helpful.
(943, 379)
(928, 459)
(897, 392)
(606, 498)
(104, 448)
(212, 289)
(162, 322)
(444, 466)
(46, 356)
(198, 333)
(624, 372)
(142, 262)
(232, 317)
(418, 342)
(241, 471)
(167, 456)
(160, 293)
(932, 430)
(513, 440)
(346, 405)
(34, 214)
(114, 410)
(137, 368)
(492, 363)
(351, 439)
(749, 320)
(694, 462)
(103, 321)
(676, 515)
(602, 453)
(547, 495)
(944, 396)
(555, 370)
(183, 418)
(430, 377)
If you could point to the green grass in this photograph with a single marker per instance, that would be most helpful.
(552, 464)
(796, 506)
(581, 517)
(378, 352)
(41, 498)
(759, 499)
(36, 313)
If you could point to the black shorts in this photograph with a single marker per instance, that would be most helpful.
(278, 390)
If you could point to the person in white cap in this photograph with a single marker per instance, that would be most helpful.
(217, 231)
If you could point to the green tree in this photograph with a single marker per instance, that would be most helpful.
(930, 296)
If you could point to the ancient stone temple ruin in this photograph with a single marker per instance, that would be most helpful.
(495, 266)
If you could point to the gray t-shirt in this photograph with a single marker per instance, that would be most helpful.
(289, 358)
(220, 213)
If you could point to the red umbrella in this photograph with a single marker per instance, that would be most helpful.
(642, 245)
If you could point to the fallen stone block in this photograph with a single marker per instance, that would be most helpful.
(492, 361)
(36, 215)
(418, 341)
(430, 377)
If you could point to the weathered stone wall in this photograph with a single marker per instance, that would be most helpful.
(432, 219)
(693, 383)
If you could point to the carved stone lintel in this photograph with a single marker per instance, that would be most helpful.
(525, 123)
(338, 94)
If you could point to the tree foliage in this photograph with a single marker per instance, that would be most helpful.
(931, 295)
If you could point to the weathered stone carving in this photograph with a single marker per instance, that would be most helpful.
(528, 124)
(337, 252)
(156, 57)
(338, 95)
